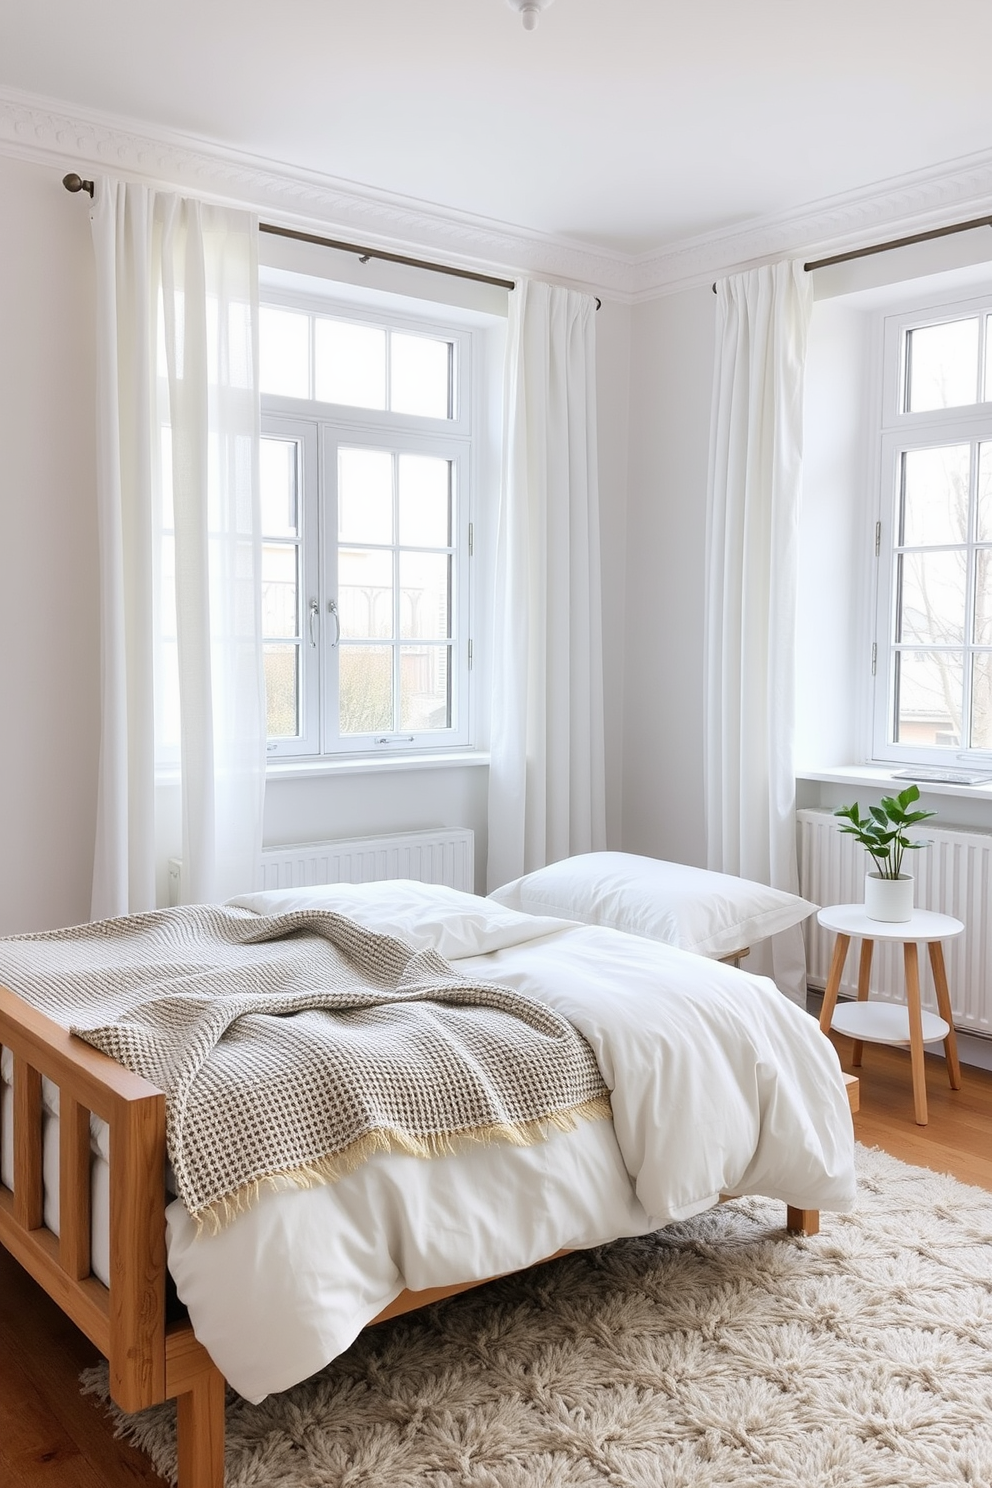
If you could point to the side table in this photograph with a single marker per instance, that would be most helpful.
(885, 1023)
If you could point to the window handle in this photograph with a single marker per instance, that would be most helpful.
(332, 609)
(314, 612)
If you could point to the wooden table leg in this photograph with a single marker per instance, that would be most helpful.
(916, 1031)
(833, 981)
(944, 1008)
(864, 975)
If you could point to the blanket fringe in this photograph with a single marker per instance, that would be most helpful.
(218, 1214)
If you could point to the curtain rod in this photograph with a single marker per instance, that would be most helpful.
(76, 183)
(923, 237)
(364, 254)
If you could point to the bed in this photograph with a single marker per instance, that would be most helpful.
(718, 1085)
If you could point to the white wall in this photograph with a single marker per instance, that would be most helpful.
(49, 586)
(49, 659)
(671, 389)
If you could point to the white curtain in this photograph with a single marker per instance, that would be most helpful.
(547, 773)
(182, 764)
(752, 544)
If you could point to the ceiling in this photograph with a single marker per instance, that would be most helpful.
(625, 125)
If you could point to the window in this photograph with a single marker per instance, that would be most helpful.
(933, 645)
(366, 467)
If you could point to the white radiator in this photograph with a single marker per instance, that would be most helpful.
(436, 856)
(953, 875)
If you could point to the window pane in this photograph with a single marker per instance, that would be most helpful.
(419, 376)
(981, 701)
(942, 366)
(929, 693)
(284, 352)
(350, 364)
(278, 481)
(425, 501)
(365, 496)
(931, 589)
(365, 593)
(983, 597)
(365, 689)
(425, 695)
(935, 496)
(282, 690)
(280, 607)
(425, 595)
(984, 526)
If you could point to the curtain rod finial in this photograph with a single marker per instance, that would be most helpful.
(74, 183)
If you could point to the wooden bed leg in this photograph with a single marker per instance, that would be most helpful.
(802, 1221)
(200, 1426)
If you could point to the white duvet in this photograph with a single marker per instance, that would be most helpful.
(718, 1085)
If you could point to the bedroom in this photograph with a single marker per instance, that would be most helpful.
(654, 332)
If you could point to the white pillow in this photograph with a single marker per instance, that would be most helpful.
(423, 915)
(711, 913)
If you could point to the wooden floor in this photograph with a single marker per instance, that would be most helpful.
(51, 1435)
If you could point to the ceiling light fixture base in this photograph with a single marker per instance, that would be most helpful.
(529, 10)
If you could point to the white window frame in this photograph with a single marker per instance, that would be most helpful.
(901, 432)
(321, 428)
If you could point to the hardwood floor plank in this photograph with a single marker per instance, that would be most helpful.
(36, 1447)
(958, 1138)
(41, 1356)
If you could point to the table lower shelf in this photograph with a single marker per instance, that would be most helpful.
(884, 1023)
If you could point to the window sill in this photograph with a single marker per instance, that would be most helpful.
(305, 769)
(881, 777)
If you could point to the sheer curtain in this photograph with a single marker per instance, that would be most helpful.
(183, 696)
(752, 543)
(547, 773)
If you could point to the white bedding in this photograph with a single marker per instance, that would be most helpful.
(719, 1084)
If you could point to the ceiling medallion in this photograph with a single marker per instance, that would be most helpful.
(530, 10)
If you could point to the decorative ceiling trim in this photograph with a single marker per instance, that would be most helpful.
(46, 131)
(953, 192)
(43, 130)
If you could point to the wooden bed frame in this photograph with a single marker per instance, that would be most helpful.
(151, 1360)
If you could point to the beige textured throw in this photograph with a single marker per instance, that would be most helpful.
(291, 1047)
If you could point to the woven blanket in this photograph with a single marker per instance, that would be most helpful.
(291, 1047)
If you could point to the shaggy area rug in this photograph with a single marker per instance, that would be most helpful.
(714, 1354)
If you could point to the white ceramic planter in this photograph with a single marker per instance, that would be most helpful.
(889, 899)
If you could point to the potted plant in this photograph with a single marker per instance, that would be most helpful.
(882, 833)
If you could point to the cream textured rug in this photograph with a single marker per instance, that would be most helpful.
(715, 1354)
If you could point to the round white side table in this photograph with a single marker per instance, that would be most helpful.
(886, 1023)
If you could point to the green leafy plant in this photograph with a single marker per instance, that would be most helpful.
(883, 832)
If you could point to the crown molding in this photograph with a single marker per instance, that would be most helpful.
(45, 131)
(937, 197)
